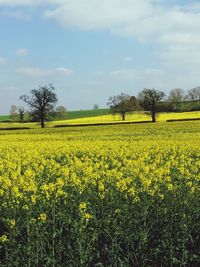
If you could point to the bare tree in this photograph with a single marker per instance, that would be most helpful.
(95, 107)
(21, 114)
(176, 95)
(41, 101)
(61, 111)
(13, 112)
(194, 94)
(149, 99)
(122, 104)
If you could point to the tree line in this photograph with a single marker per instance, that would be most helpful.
(42, 103)
(152, 101)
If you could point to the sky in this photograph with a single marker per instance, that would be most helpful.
(92, 49)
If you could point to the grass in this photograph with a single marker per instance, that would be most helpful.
(70, 115)
(85, 113)
(4, 117)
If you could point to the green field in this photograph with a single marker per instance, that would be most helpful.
(4, 117)
(85, 113)
(70, 115)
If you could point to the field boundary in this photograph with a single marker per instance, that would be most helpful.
(13, 128)
(101, 124)
(188, 119)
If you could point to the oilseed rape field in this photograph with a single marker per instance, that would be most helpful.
(105, 118)
(130, 117)
(122, 195)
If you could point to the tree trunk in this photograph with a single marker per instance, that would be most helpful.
(153, 112)
(42, 120)
(153, 116)
(123, 116)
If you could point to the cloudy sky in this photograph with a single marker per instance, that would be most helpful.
(91, 49)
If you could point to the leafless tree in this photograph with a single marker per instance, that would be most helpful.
(41, 101)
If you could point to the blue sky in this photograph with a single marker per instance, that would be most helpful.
(93, 49)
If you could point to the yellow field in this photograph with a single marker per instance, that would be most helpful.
(132, 117)
(108, 119)
(123, 195)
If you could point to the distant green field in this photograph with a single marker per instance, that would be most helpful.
(4, 117)
(71, 115)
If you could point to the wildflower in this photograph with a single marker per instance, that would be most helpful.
(12, 223)
(33, 199)
(42, 217)
(117, 211)
(87, 217)
(25, 207)
(33, 220)
(3, 238)
(82, 207)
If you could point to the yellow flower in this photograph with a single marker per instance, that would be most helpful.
(87, 217)
(12, 223)
(3, 238)
(33, 199)
(82, 207)
(42, 217)
(33, 220)
(1, 192)
(25, 207)
(117, 211)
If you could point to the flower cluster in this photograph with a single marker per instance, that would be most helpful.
(128, 185)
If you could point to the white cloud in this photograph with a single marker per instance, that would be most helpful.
(2, 60)
(42, 72)
(22, 52)
(145, 20)
(99, 14)
(172, 26)
(140, 19)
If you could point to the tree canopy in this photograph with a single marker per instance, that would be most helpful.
(122, 104)
(194, 94)
(60, 112)
(176, 95)
(148, 99)
(41, 101)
